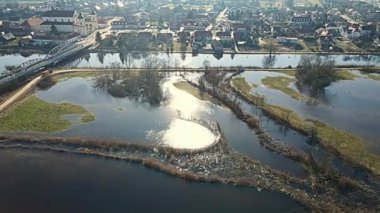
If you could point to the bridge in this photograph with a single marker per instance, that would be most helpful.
(57, 54)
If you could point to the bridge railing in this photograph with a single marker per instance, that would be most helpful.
(35, 65)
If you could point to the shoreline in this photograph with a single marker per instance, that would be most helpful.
(244, 52)
(22, 50)
(216, 165)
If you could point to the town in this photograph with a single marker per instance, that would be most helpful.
(257, 26)
(190, 106)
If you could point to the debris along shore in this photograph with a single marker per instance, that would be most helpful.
(215, 164)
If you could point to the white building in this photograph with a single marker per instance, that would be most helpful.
(68, 21)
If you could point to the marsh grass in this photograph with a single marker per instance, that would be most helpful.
(346, 75)
(375, 77)
(34, 114)
(282, 83)
(66, 76)
(350, 147)
(185, 86)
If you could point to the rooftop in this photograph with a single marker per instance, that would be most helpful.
(59, 13)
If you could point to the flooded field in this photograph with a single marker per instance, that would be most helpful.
(350, 105)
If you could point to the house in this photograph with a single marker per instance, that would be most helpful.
(118, 25)
(368, 31)
(331, 26)
(305, 31)
(6, 38)
(32, 24)
(145, 36)
(183, 36)
(325, 39)
(301, 19)
(135, 25)
(102, 23)
(52, 40)
(25, 41)
(164, 37)
(225, 38)
(350, 33)
(203, 37)
(287, 40)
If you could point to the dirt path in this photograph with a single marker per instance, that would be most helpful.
(20, 93)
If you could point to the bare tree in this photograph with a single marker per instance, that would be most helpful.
(271, 46)
(206, 64)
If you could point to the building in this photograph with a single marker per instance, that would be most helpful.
(69, 21)
(203, 37)
(52, 40)
(350, 33)
(6, 38)
(287, 40)
(62, 20)
(301, 19)
(32, 24)
(225, 38)
(91, 22)
(183, 36)
(164, 37)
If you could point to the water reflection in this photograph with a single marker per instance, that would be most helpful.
(189, 60)
(178, 135)
(269, 61)
(141, 86)
(335, 107)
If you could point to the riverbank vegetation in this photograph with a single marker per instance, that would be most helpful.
(34, 114)
(185, 86)
(282, 83)
(141, 86)
(216, 164)
(46, 82)
(348, 146)
(315, 72)
(81, 74)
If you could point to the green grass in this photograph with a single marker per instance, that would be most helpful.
(185, 86)
(346, 75)
(347, 145)
(282, 83)
(288, 72)
(242, 84)
(87, 118)
(375, 77)
(65, 76)
(34, 114)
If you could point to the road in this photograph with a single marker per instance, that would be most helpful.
(19, 94)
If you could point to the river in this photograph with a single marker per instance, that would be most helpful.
(188, 60)
(119, 186)
(49, 182)
(350, 105)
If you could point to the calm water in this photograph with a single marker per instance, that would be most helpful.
(54, 181)
(353, 106)
(48, 182)
(122, 118)
(15, 60)
(188, 60)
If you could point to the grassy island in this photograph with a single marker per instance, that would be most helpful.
(184, 86)
(282, 83)
(350, 147)
(34, 114)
